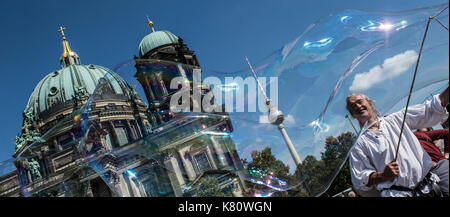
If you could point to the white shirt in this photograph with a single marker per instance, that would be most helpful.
(374, 149)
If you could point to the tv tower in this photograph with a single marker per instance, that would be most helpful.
(276, 117)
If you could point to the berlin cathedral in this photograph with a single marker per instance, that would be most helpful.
(86, 132)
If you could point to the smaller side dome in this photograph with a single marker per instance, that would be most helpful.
(156, 39)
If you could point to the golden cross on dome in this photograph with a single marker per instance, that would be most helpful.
(150, 24)
(68, 57)
(61, 29)
(65, 43)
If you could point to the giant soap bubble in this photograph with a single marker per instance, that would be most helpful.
(171, 135)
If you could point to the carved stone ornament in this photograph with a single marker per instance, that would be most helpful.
(80, 95)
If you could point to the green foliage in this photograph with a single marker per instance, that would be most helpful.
(341, 182)
(338, 152)
(209, 187)
(264, 164)
(315, 173)
(265, 161)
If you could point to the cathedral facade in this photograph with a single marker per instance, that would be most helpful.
(87, 132)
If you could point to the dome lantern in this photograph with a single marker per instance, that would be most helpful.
(68, 56)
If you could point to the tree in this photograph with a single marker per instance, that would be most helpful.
(209, 187)
(317, 173)
(343, 179)
(313, 176)
(265, 167)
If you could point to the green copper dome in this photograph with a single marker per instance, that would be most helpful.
(57, 90)
(156, 39)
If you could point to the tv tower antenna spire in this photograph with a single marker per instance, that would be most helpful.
(276, 117)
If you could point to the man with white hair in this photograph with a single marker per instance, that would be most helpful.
(373, 169)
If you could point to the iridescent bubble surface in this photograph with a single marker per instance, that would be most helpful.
(233, 149)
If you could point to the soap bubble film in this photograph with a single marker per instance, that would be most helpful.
(136, 143)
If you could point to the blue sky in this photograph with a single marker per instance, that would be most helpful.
(108, 32)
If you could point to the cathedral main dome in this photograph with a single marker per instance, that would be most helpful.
(58, 90)
(63, 92)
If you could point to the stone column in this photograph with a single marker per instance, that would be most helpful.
(176, 169)
(139, 125)
(141, 189)
(161, 83)
(123, 186)
(175, 177)
(72, 135)
(128, 127)
(210, 156)
(149, 88)
(56, 144)
(219, 151)
(155, 86)
(105, 144)
(134, 188)
(114, 135)
(187, 166)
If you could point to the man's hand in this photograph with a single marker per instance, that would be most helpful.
(390, 171)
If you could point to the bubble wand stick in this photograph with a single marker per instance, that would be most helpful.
(414, 79)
